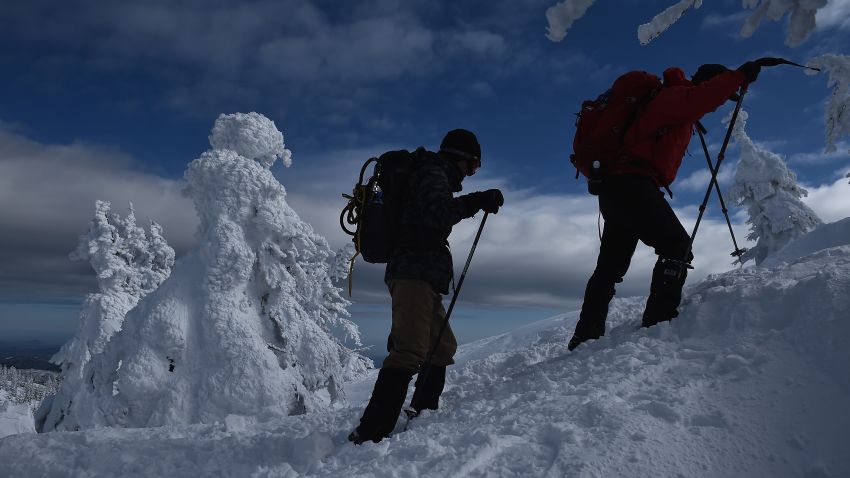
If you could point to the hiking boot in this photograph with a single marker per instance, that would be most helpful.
(384, 406)
(668, 278)
(650, 319)
(429, 386)
(355, 437)
(577, 340)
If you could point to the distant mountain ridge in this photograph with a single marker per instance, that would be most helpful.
(28, 354)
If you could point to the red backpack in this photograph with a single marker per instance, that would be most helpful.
(602, 123)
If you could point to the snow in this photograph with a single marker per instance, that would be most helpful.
(244, 324)
(765, 184)
(802, 17)
(828, 235)
(562, 16)
(15, 419)
(661, 22)
(836, 116)
(252, 136)
(750, 380)
(129, 264)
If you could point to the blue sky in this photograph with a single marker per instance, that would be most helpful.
(111, 100)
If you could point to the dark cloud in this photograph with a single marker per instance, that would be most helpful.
(48, 194)
(339, 66)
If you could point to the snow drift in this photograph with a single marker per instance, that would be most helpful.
(750, 380)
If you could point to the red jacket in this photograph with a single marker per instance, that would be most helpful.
(659, 137)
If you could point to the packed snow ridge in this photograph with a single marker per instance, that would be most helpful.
(750, 380)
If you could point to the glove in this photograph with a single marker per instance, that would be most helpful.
(751, 70)
(488, 201)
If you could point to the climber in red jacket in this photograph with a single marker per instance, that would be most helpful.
(634, 207)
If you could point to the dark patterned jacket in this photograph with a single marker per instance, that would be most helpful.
(429, 213)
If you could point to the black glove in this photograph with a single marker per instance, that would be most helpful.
(751, 70)
(488, 201)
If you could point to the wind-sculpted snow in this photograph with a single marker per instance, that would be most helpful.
(252, 136)
(750, 380)
(243, 324)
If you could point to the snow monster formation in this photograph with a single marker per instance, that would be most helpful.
(243, 324)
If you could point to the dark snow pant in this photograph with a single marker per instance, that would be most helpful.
(635, 210)
(418, 315)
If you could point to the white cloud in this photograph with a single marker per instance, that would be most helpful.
(236, 51)
(841, 153)
(48, 194)
(830, 201)
(698, 180)
(836, 14)
(369, 49)
(480, 42)
(726, 22)
(539, 250)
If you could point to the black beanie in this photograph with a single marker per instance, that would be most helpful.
(461, 143)
(707, 72)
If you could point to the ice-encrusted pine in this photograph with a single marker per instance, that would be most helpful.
(129, 264)
(764, 184)
(243, 326)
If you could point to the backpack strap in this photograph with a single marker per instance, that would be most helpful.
(640, 104)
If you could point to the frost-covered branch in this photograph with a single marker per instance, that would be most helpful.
(802, 13)
(648, 31)
(802, 22)
(837, 113)
(562, 16)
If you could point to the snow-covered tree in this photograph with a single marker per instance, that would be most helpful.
(26, 386)
(837, 113)
(129, 265)
(341, 264)
(243, 326)
(764, 184)
(802, 17)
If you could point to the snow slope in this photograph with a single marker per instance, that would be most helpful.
(750, 380)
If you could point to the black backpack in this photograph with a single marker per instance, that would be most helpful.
(375, 207)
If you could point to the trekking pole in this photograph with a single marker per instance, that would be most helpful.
(773, 61)
(738, 251)
(763, 62)
(426, 367)
(715, 170)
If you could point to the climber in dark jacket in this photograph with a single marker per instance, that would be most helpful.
(417, 275)
(634, 207)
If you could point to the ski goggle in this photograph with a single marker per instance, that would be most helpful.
(474, 161)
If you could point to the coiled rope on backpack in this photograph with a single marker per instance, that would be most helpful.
(351, 215)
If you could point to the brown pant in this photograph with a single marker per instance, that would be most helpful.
(418, 315)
